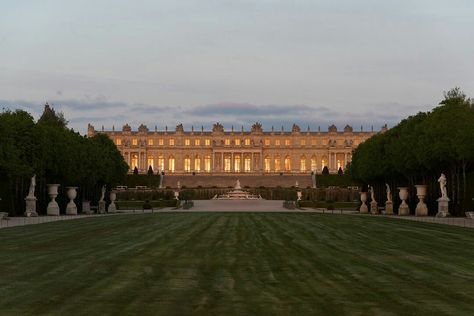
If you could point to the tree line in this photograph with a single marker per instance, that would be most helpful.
(420, 148)
(56, 154)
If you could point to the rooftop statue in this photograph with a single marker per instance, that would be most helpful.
(256, 128)
(217, 127)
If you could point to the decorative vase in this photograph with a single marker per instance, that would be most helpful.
(112, 206)
(363, 208)
(403, 209)
(71, 208)
(421, 208)
(53, 207)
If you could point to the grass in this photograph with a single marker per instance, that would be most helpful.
(236, 264)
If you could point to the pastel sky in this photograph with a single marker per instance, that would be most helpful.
(314, 62)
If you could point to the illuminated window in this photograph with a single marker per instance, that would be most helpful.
(314, 142)
(323, 163)
(150, 142)
(197, 142)
(247, 164)
(237, 163)
(303, 142)
(267, 142)
(338, 164)
(187, 164)
(134, 142)
(187, 142)
(277, 163)
(207, 142)
(171, 141)
(118, 142)
(227, 142)
(134, 162)
(287, 142)
(160, 142)
(150, 162)
(161, 163)
(303, 164)
(287, 164)
(227, 164)
(247, 142)
(197, 164)
(171, 164)
(207, 163)
(237, 142)
(266, 164)
(313, 164)
(277, 142)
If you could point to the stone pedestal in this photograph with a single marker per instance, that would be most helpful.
(443, 207)
(71, 208)
(86, 207)
(403, 209)
(30, 207)
(53, 207)
(421, 208)
(101, 209)
(363, 208)
(374, 208)
(112, 207)
(388, 208)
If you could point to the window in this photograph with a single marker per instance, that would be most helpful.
(171, 141)
(237, 142)
(134, 142)
(171, 164)
(118, 142)
(134, 162)
(338, 164)
(287, 163)
(237, 163)
(277, 142)
(207, 142)
(227, 142)
(303, 164)
(197, 142)
(187, 164)
(287, 142)
(187, 142)
(161, 163)
(197, 164)
(313, 164)
(323, 163)
(303, 142)
(247, 164)
(150, 162)
(207, 163)
(227, 164)
(150, 142)
(266, 163)
(277, 163)
(160, 142)
(267, 142)
(314, 142)
(247, 142)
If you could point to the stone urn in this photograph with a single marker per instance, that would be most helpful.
(403, 209)
(421, 208)
(176, 195)
(363, 208)
(71, 208)
(53, 207)
(112, 207)
(299, 195)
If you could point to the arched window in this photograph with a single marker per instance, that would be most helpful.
(247, 164)
(303, 164)
(197, 164)
(277, 163)
(134, 162)
(207, 163)
(237, 163)
(287, 163)
(323, 162)
(314, 165)
(171, 164)
(266, 163)
(161, 162)
(150, 162)
(187, 164)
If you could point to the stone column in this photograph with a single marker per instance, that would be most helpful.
(222, 161)
(232, 162)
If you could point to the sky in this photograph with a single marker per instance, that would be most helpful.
(279, 62)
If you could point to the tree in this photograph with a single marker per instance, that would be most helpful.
(150, 171)
(50, 117)
(325, 171)
(339, 171)
(135, 170)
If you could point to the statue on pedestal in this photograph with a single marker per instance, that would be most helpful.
(31, 199)
(442, 185)
(101, 209)
(373, 204)
(388, 203)
(443, 201)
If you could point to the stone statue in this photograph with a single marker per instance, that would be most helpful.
(102, 196)
(442, 186)
(372, 193)
(237, 185)
(389, 193)
(31, 192)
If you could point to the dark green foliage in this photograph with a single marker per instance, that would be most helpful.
(150, 171)
(340, 171)
(135, 170)
(325, 171)
(186, 195)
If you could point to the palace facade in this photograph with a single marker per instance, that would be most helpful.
(236, 152)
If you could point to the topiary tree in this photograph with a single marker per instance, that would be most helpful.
(339, 171)
(150, 171)
(135, 170)
(325, 171)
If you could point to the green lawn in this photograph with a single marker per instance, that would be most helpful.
(237, 264)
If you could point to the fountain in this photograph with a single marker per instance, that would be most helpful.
(238, 194)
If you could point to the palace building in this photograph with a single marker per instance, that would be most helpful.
(232, 152)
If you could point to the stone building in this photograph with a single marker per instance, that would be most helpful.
(220, 152)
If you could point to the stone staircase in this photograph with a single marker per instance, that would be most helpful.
(225, 181)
